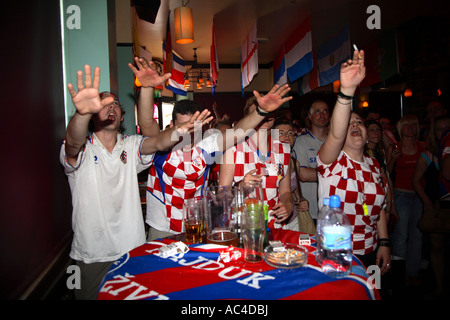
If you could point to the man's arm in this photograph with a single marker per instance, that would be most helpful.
(283, 209)
(87, 103)
(149, 78)
(308, 174)
(267, 103)
(226, 172)
(171, 136)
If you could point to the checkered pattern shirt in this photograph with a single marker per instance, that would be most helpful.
(247, 158)
(174, 177)
(353, 182)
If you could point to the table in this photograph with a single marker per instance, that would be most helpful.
(196, 275)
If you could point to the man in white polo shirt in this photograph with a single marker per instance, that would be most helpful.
(305, 150)
(102, 172)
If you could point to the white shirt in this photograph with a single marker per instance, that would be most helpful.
(306, 148)
(107, 216)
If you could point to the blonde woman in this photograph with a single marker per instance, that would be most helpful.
(401, 163)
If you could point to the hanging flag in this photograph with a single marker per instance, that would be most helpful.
(381, 59)
(331, 55)
(298, 51)
(214, 62)
(279, 68)
(309, 81)
(174, 64)
(249, 58)
(176, 81)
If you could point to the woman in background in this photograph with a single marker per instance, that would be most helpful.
(375, 149)
(427, 168)
(287, 134)
(401, 163)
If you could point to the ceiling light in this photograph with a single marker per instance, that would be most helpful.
(184, 25)
(197, 75)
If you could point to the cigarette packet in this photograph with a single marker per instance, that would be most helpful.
(172, 249)
(304, 239)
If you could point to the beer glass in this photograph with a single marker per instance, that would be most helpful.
(193, 220)
(218, 209)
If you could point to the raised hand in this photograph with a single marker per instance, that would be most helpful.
(87, 99)
(274, 98)
(353, 72)
(197, 121)
(147, 74)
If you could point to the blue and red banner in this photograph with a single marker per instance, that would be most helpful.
(198, 275)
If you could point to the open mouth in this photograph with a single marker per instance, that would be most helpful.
(112, 116)
(355, 132)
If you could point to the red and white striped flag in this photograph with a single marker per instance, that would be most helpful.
(174, 64)
(249, 58)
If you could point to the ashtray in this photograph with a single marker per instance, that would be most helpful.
(286, 256)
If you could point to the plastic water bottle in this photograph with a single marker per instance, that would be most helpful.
(336, 241)
(323, 211)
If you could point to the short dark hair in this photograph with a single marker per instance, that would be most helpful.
(282, 120)
(184, 107)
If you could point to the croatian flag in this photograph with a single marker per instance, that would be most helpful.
(214, 62)
(176, 81)
(298, 51)
(249, 58)
(279, 68)
(331, 55)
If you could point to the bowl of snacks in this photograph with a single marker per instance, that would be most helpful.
(285, 256)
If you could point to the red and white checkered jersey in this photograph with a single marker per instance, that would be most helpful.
(247, 158)
(174, 177)
(355, 183)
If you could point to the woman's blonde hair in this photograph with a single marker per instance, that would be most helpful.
(408, 119)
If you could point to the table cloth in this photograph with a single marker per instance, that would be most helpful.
(198, 275)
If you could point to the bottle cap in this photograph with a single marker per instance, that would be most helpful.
(326, 201)
(335, 202)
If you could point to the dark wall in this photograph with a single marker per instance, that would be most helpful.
(35, 206)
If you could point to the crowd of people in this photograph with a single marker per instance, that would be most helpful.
(386, 177)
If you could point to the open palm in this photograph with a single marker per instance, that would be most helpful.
(147, 74)
(87, 99)
(274, 98)
(196, 122)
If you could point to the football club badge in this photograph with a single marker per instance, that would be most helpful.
(197, 162)
(123, 157)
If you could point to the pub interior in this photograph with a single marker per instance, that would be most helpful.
(407, 50)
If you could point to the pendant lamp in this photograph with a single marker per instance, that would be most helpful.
(184, 25)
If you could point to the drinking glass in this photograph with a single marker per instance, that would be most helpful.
(218, 209)
(193, 220)
(253, 222)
